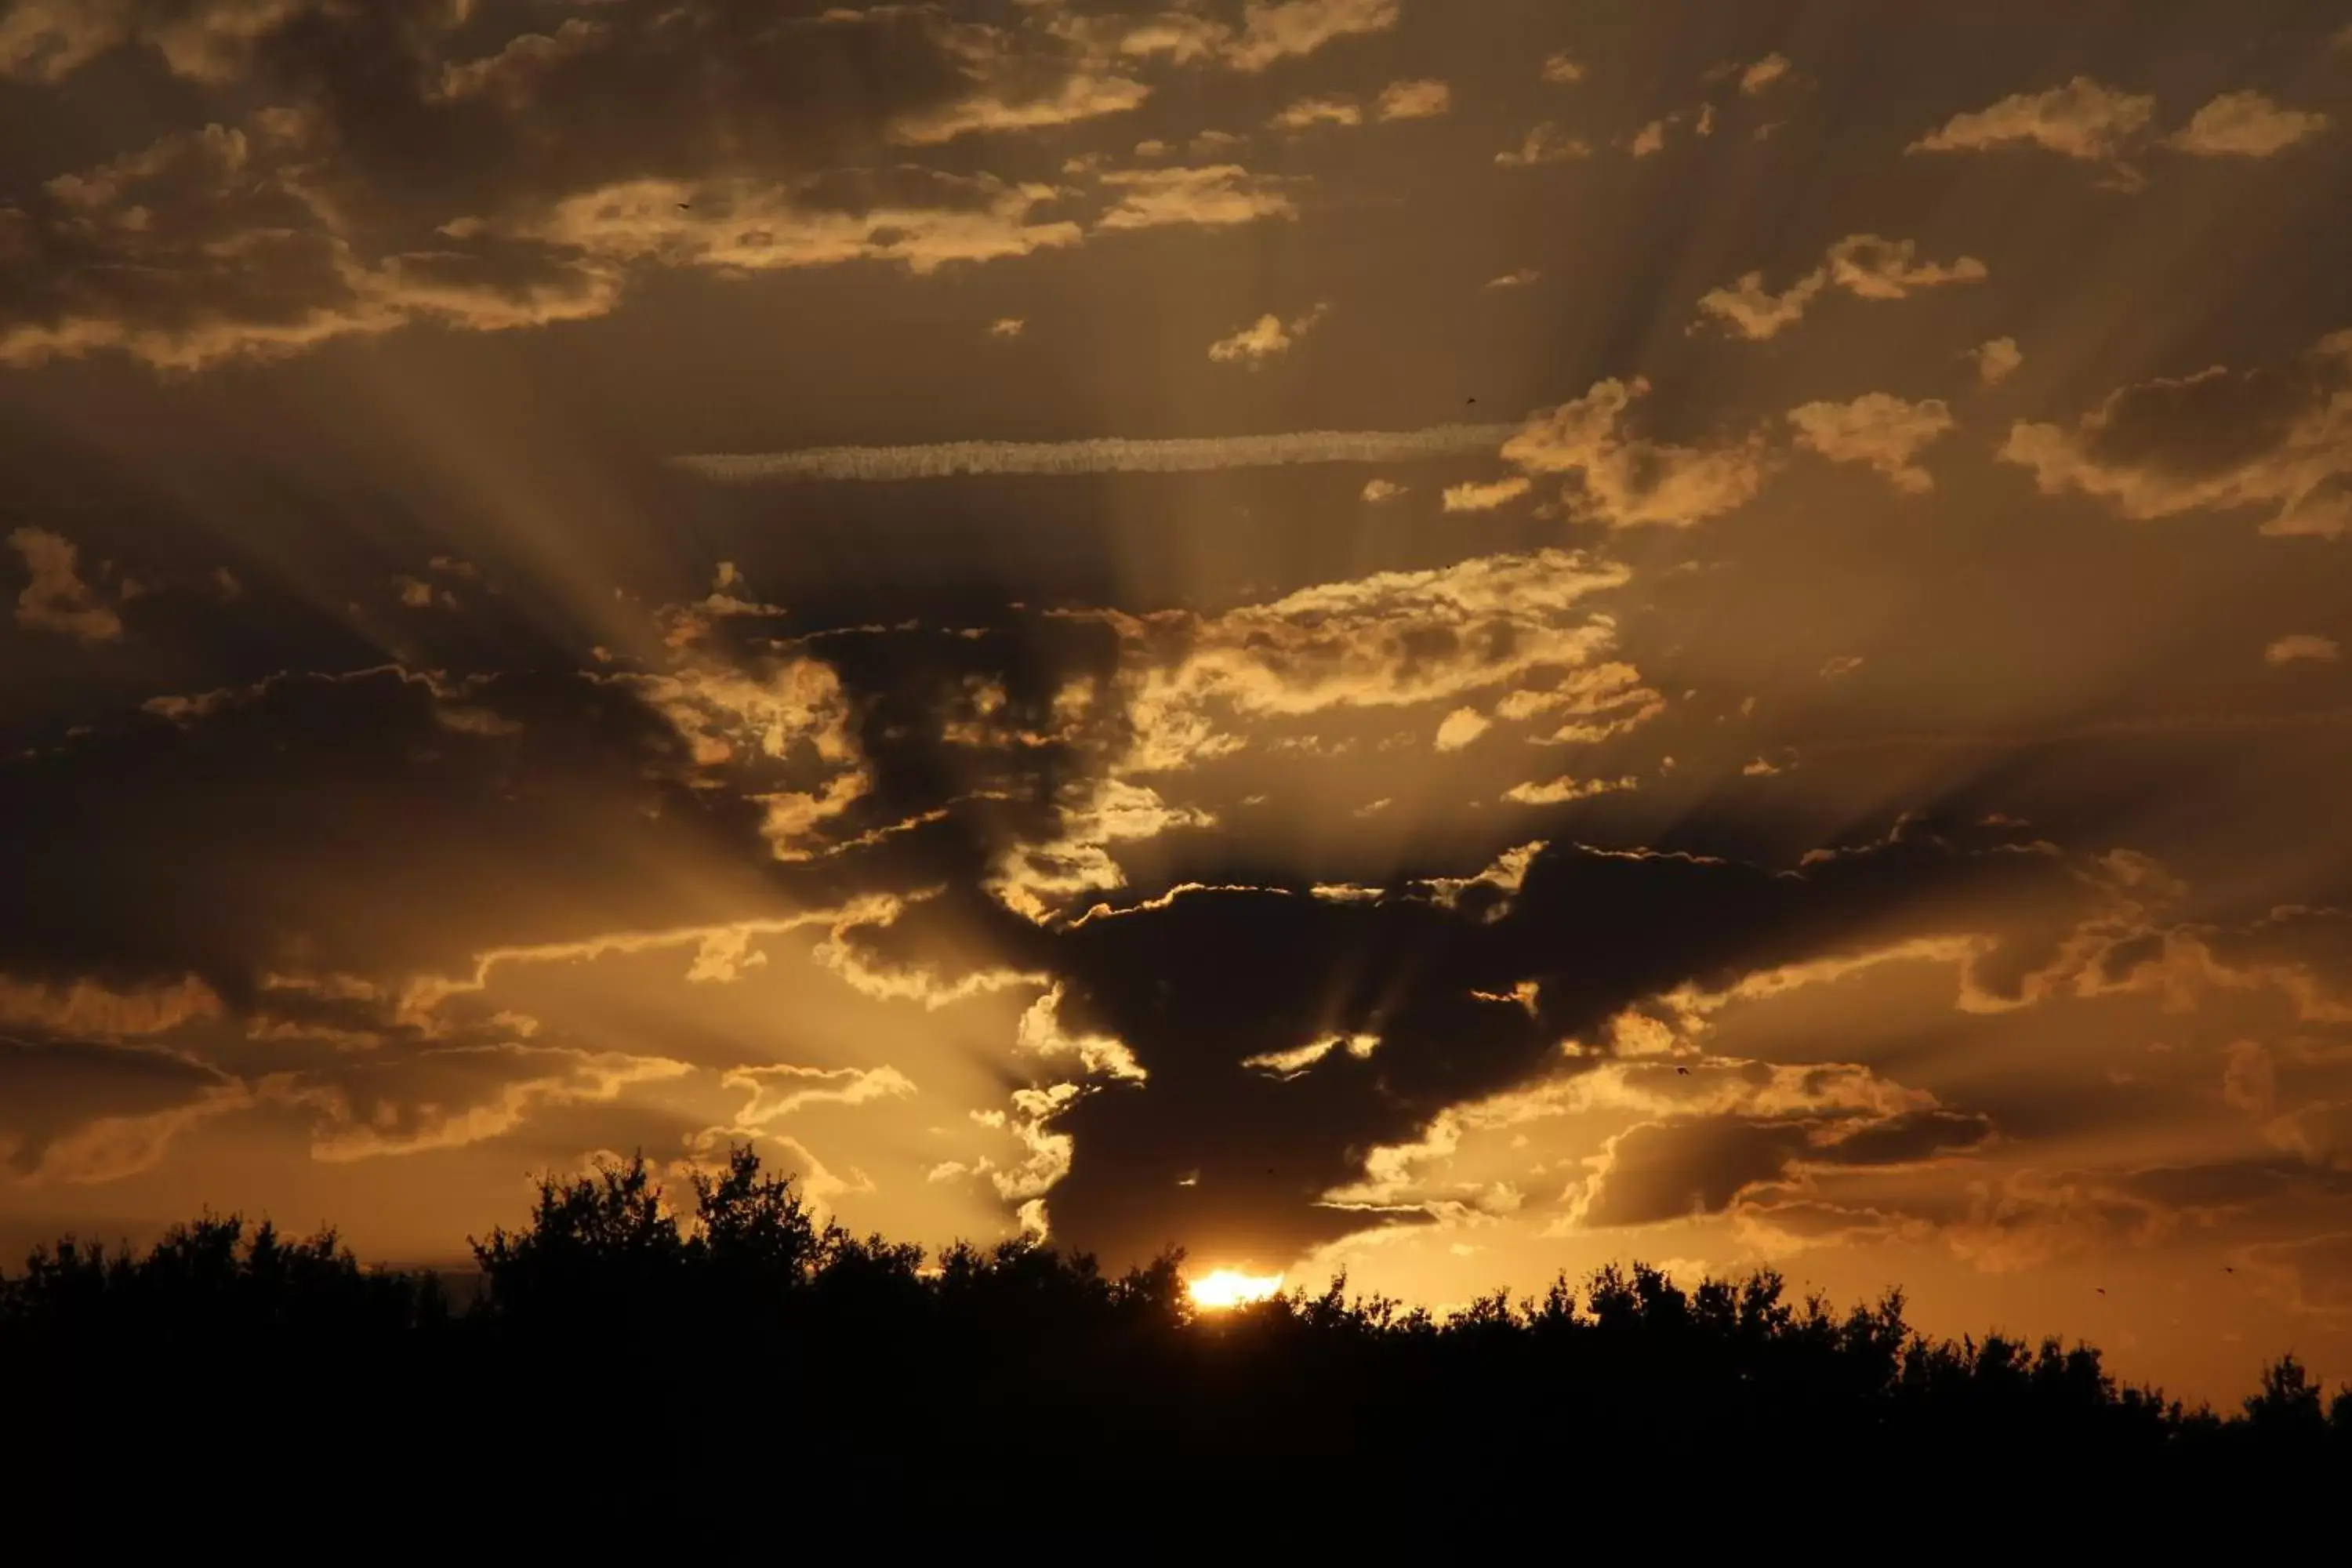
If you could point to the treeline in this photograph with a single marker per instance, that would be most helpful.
(743, 1341)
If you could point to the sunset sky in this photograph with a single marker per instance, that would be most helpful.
(1448, 639)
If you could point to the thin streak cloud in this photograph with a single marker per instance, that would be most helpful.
(1100, 455)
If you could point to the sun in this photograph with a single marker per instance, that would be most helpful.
(1229, 1288)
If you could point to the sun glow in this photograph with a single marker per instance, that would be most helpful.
(1226, 1288)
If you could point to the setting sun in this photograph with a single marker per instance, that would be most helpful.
(1228, 1288)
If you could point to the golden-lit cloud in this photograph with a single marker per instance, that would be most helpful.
(1997, 359)
(55, 598)
(1275, 30)
(1306, 112)
(1629, 482)
(1878, 430)
(1215, 196)
(1863, 265)
(1267, 338)
(1485, 495)
(2298, 647)
(1544, 143)
(2081, 118)
(1561, 70)
(1421, 100)
(2246, 125)
(2277, 440)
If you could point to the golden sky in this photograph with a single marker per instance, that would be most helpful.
(1449, 638)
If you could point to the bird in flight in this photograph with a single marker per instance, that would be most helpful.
(1682, 1072)
(684, 207)
(2102, 1289)
(2227, 1269)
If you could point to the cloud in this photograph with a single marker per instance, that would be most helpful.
(1377, 491)
(1561, 70)
(1629, 482)
(56, 599)
(455, 1097)
(1007, 327)
(1308, 111)
(1878, 430)
(1997, 360)
(1651, 138)
(2246, 125)
(1544, 143)
(1863, 265)
(2083, 119)
(401, 172)
(1461, 727)
(1485, 495)
(2303, 646)
(1419, 100)
(1265, 338)
(2275, 438)
(779, 1090)
(1518, 279)
(1561, 791)
(1275, 30)
(1213, 197)
(1762, 74)
(1197, 687)
(1107, 455)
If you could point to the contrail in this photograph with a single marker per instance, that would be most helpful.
(1104, 454)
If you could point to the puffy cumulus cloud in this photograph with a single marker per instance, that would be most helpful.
(1273, 30)
(1041, 1033)
(1461, 727)
(1561, 791)
(1878, 430)
(1036, 877)
(2082, 118)
(1198, 685)
(2246, 125)
(1629, 482)
(1997, 360)
(793, 711)
(1421, 100)
(1485, 495)
(1213, 197)
(1650, 139)
(2302, 646)
(1304, 112)
(1762, 74)
(1561, 70)
(1267, 338)
(1863, 265)
(55, 598)
(1544, 143)
(2275, 438)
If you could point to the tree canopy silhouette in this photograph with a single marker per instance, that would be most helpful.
(720, 1336)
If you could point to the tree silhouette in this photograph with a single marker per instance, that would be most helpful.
(746, 1333)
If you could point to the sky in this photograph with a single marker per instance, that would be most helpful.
(1443, 641)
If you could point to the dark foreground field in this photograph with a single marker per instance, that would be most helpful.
(748, 1366)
